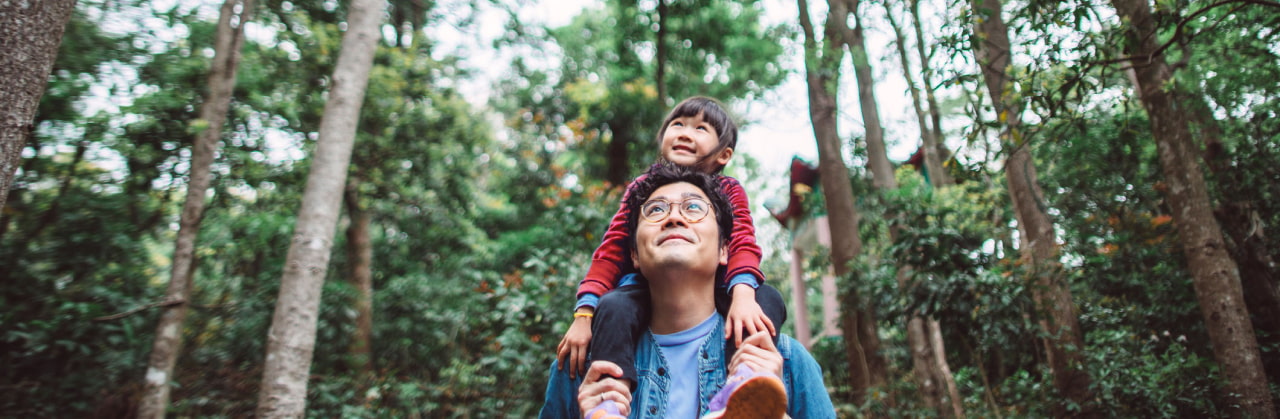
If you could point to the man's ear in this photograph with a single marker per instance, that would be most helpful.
(724, 255)
(634, 263)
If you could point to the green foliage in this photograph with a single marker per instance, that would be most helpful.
(480, 231)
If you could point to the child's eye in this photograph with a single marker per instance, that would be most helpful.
(677, 124)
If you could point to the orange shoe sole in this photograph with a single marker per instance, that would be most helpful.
(758, 398)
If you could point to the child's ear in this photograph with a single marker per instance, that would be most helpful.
(724, 156)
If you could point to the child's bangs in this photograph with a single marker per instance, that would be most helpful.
(710, 110)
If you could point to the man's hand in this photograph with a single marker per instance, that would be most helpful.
(573, 346)
(759, 353)
(599, 385)
(745, 316)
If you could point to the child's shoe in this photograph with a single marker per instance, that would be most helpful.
(748, 395)
(606, 410)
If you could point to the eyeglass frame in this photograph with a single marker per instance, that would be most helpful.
(679, 206)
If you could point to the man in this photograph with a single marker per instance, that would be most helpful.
(679, 222)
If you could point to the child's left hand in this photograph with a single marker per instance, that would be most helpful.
(745, 316)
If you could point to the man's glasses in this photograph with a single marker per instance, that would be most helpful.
(692, 209)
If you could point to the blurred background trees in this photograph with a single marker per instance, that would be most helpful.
(469, 215)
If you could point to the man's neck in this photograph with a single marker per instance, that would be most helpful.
(679, 301)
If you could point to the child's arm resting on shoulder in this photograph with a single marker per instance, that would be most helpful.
(745, 316)
(573, 347)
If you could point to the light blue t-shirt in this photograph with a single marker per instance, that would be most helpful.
(680, 349)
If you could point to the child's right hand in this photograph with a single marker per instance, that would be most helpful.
(574, 346)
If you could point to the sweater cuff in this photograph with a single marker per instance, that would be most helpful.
(742, 278)
(587, 300)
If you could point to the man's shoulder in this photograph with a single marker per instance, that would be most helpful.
(794, 352)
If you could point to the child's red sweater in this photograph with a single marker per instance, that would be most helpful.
(611, 260)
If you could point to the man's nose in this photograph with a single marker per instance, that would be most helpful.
(675, 219)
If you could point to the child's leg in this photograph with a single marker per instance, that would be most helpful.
(620, 319)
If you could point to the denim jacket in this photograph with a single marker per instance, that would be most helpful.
(801, 376)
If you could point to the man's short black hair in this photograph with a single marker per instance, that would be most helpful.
(660, 175)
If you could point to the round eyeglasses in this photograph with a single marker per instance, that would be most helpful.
(692, 209)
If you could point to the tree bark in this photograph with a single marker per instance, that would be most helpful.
(928, 137)
(360, 259)
(1215, 275)
(928, 375)
(291, 340)
(1055, 308)
(660, 74)
(228, 39)
(822, 77)
(926, 72)
(1243, 228)
(877, 158)
(30, 34)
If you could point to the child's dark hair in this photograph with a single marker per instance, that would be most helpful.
(713, 112)
(660, 175)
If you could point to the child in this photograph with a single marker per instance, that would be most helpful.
(697, 133)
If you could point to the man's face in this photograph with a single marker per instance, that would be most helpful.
(676, 242)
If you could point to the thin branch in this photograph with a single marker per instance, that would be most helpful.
(1177, 34)
(169, 303)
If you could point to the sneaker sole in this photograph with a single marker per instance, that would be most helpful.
(757, 398)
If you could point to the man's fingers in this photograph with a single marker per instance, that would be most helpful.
(602, 368)
(761, 339)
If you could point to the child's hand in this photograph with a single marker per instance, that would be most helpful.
(574, 346)
(745, 316)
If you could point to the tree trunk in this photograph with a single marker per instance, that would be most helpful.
(1055, 309)
(30, 33)
(360, 259)
(877, 158)
(928, 354)
(926, 72)
(1215, 275)
(660, 74)
(1243, 228)
(822, 77)
(928, 137)
(927, 372)
(228, 39)
(291, 340)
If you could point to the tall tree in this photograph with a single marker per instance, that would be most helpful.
(1039, 251)
(228, 39)
(291, 340)
(928, 373)
(928, 355)
(822, 69)
(1216, 276)
(30, 33)
(929, 136)
(360, 276)
(926, 75)
(855, 39)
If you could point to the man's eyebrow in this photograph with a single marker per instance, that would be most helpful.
(692, 195)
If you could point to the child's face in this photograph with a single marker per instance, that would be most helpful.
(689, 139)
